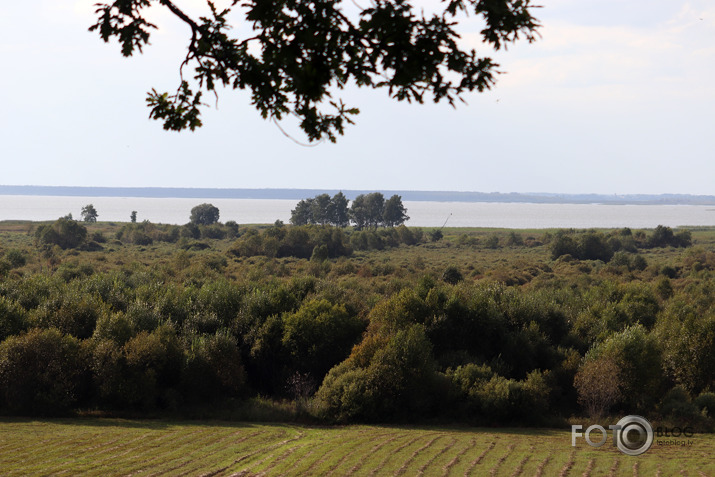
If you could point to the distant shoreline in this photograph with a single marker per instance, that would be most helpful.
(297, 194)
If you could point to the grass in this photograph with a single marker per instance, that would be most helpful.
(101, 446)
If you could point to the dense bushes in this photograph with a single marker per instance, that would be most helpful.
(64, 232)
(415, 333)
(319, 243)
(593, 245)
(489, 398)
(41, 372)
(386, 379)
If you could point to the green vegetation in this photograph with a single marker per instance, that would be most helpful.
(366, 211)
(204, 214)
(89, 213)
(477, 326)
(104, 447)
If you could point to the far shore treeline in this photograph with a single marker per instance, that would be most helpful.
(408, 195)
(347, 315)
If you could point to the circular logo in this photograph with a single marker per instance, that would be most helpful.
(634, 435)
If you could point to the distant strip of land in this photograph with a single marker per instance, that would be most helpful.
(407, 195)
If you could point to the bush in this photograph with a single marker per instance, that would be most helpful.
(320, 253)
(435, 235)
(492, 241)
(514, 239)
(638, 355)
(599, 386)
(491, 398)
(677, 404)
(15, 258)
(154, 364)
(13, 318)
(392, 380)
(213, 368)
(452, 275)
(214, 231)
(705, 404)
(71, 312)
(587, 246)
(664, 237)
(41, 372)
(318, 336)
(64, 232)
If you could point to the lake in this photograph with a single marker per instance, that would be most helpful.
(422, 213)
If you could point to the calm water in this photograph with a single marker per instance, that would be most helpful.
(422, 214)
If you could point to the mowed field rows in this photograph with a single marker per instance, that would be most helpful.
(124, 447)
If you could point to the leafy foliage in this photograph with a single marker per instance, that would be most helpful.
(299, 54)
(204, 214)
(41, 372)
(282, 311)
(89, 213)
(63, 232)
(322, 210)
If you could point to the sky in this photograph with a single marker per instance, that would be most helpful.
(616, 97)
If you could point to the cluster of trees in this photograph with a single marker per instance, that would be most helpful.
(592, 245)
(322, 210)
(366, 211)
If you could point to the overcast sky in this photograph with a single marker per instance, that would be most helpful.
(616, 97)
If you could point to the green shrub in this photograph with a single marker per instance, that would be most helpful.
(41, 372)
(639, 356)
(452, 275)
(153, 368)
(435, 235)
(213, 368)
(71, 312)
(64, 232)
(663, 237)
(393, 380)
(16, 258)
(493, 398)
(705, 403)
(13, 318)
(318, 336)
(214, 231)
(563, 245)
(115, 327)
(492, 241)
(320, 253)
(677, 404)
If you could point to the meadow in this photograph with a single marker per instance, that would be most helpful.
(106, 447)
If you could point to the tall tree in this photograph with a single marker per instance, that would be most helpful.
(303, 213)
(338, 210)
(394, 213)
(367, 209)
(299, 53)
(321, 209)
(375, 203)
(359, 211)
(204, 214)
(89, 213)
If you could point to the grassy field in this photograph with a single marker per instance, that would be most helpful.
(128, 447)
